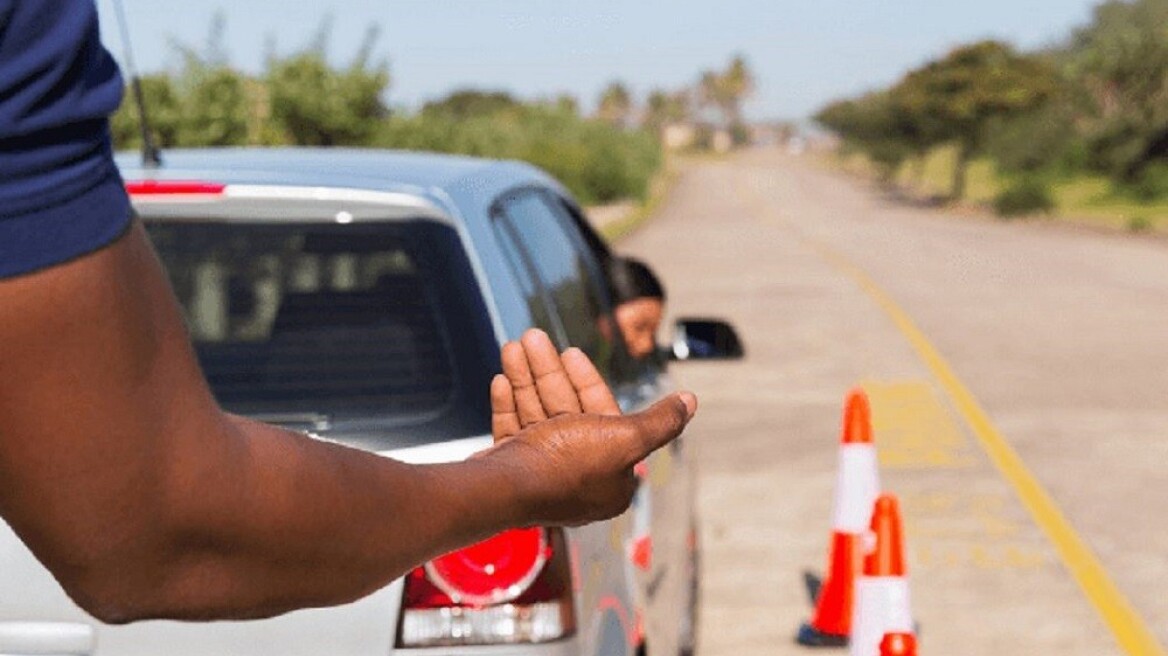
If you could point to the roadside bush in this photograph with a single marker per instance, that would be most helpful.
(740, 133)
(1035, 141)
(1139, 223)
(1152, 183)
(1025, 196)
(597, 162)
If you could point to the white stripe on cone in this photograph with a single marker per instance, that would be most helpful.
(882, 606)
(856, 488)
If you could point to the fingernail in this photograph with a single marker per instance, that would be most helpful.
(691, 403)
(535, 333)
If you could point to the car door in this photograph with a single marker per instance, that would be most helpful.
(566, 300)
(664, 515)
(550, 240)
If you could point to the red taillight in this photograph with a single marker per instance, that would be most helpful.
(172, 187)
(512, 588)
(493, 571)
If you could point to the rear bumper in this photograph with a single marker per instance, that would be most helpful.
(569, 647)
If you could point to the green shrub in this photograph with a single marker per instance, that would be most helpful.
(597, 162)
(1035, 141)
(1152, 183)
(1139, 223)
(1024, 196)
(740, 133)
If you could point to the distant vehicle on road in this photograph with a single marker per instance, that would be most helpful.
(362, 297)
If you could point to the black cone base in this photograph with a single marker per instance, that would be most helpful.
(810, 637)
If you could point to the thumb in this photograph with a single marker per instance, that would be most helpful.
(659, 424)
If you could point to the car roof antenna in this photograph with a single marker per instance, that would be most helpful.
(151, 155)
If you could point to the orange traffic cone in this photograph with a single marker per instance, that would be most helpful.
(857, 485)
(898, 644)
(882, 600)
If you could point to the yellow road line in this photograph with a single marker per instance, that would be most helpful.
(1129, 628)
(915, 429)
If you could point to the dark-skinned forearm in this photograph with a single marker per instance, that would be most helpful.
(290, 522)
(122, 475)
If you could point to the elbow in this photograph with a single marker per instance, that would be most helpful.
(116, 576)
(107, 609)
(109, 591)
(147, 583)
(113, 595)
(108, 568)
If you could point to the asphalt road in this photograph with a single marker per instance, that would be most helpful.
(978, 341)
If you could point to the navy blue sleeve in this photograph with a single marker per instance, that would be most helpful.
(60, 194)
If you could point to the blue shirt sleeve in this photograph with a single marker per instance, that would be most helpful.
(60, 194)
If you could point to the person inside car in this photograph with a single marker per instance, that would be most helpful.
(119, 470)
(639, 300)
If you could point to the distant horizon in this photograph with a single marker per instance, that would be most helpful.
(532, 49)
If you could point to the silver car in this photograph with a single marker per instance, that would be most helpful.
(362, 297)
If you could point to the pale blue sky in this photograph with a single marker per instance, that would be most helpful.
(804, 53)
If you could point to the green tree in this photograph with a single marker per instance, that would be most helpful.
(204, 104)
(163, 108)
(959, 95)
(598, 161)
(726, 90)
(664, 107)
(213, 100)
(615, 105)
(567, 104)
(1041, 141)
(466, 103)
(877, 126)
(738, 84)
(708, 93)
(1120, 61)
(315, 105)
(214, 106)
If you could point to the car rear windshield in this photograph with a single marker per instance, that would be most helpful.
(373, 332)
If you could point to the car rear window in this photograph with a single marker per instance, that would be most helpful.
(369, 332)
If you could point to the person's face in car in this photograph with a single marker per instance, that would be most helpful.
(638, 320)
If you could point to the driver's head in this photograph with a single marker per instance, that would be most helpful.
(640, 304)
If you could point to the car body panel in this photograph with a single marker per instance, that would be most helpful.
(297, 184)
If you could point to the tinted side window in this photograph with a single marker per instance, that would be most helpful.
(525, 276)
(562, 270)
(623, 367)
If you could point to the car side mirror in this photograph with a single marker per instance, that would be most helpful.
(705, 339)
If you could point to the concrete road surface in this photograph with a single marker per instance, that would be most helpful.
(1019, 381)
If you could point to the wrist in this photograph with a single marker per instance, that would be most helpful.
(487, 493)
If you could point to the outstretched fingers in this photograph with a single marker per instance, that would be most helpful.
(552, 382)
(594, 395)
(504, 415)
(528, 408)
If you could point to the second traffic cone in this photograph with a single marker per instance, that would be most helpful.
(898, 644)
(857, 485)
(882, 600)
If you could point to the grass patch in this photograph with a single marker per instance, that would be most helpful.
(1095, 200)
(1083, 198)
(933, 177)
